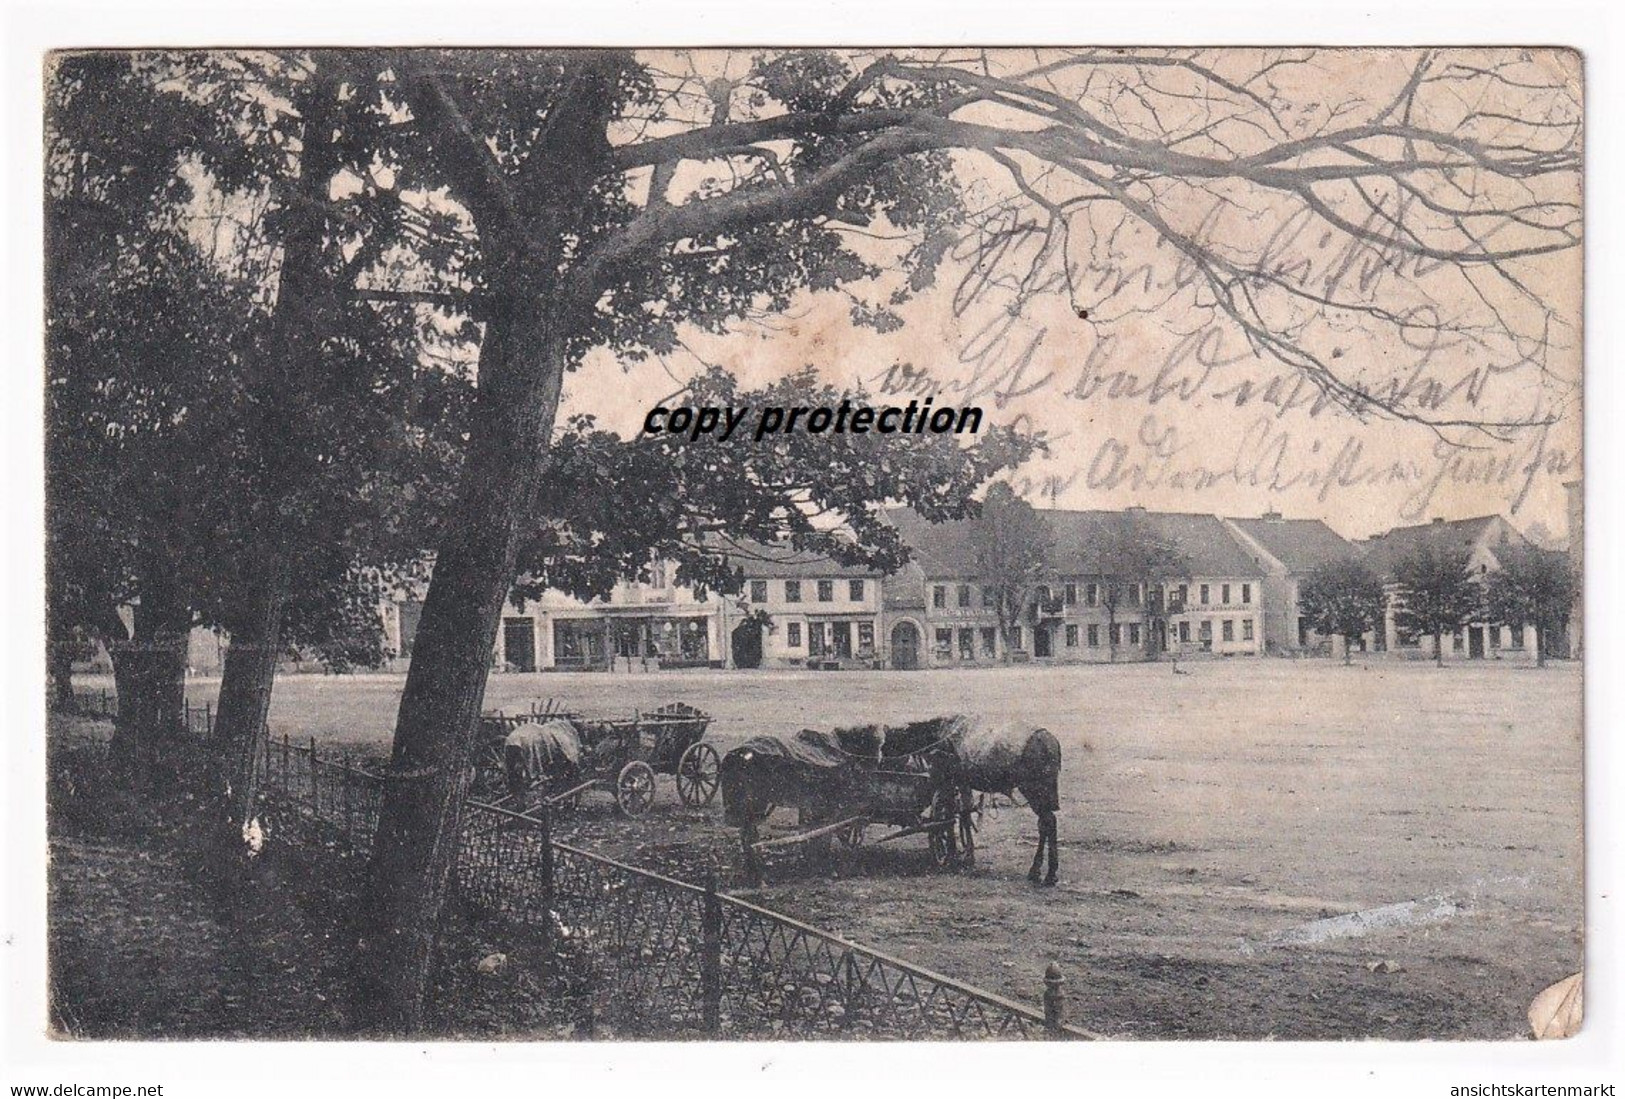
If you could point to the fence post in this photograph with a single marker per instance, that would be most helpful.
(287, 786)
(208, 719)
(315, 785)
(1054, 1000)
(711, 955)
(545, 827)
(344, 794)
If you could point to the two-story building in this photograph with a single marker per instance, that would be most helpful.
(818, 612)
(1287, 551)
(1078, 613)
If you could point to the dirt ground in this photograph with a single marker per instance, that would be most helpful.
(1253, 849)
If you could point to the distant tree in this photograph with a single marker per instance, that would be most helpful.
(1437, 595)
(1130, 560)
(1343, 597)
(1013, 548)
(1533, 587)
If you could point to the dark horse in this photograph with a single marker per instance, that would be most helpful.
(995, 758)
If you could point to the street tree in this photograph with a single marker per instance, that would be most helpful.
(1131, 561)
(1436, 595)
(1014, 558)
(1343, 597)
(1534, 587)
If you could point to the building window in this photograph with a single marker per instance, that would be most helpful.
(1071, 595)
(1072, 637)
(792, 591)
(988, 597)
(945, 644)
(1133, 633)
(963, 595)
(1184, 594)
(1246, 629)
(1043, 593)
(1229, 630)
(1204, 595)
(1185, 632)
(1117, 633)
(1014, 638)
(990, 640)
(792, 635)
(758, 591)
(1134, 595)
(967, 644)
(1224, 595)
(1091, 594)
(854, 590)
(1094, 637)
(1246, 595)
(826, 591)
(939, 597)
(866, 637)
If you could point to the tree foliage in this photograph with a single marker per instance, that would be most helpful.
(1533, 587)
(1014, 549)
(611, 506)
(1343, 597)
(1436, 594)
(1130, 560)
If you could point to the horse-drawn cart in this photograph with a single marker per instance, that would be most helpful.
(840, 790)
(563, 755)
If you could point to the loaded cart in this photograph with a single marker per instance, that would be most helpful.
(840, 789)
(556, 756)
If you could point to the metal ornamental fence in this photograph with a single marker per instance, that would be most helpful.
(646, 955)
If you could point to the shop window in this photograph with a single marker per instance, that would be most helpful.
(792, 635)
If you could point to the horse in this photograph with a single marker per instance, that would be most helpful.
(988, 757)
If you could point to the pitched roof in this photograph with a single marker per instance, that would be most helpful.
(949, 548)
(762, 561)
(1299, 544)
(1384, 551)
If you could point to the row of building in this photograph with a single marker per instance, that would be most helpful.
(1238, 596)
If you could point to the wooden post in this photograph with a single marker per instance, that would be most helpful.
(544, 817)
(286, 748)
(315, 787)
(344, 794)
(208, 719)
(1054, 1000)
(711, 955)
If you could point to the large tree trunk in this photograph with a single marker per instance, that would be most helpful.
(245, 701)
(523, 357)
(149, 674)
(451, 657)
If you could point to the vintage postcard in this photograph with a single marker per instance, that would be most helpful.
(778, 544)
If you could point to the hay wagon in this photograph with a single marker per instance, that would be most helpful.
(570, 755)
(839, 795)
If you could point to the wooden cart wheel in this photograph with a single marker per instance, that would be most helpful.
(635, 788)
(698, 771)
